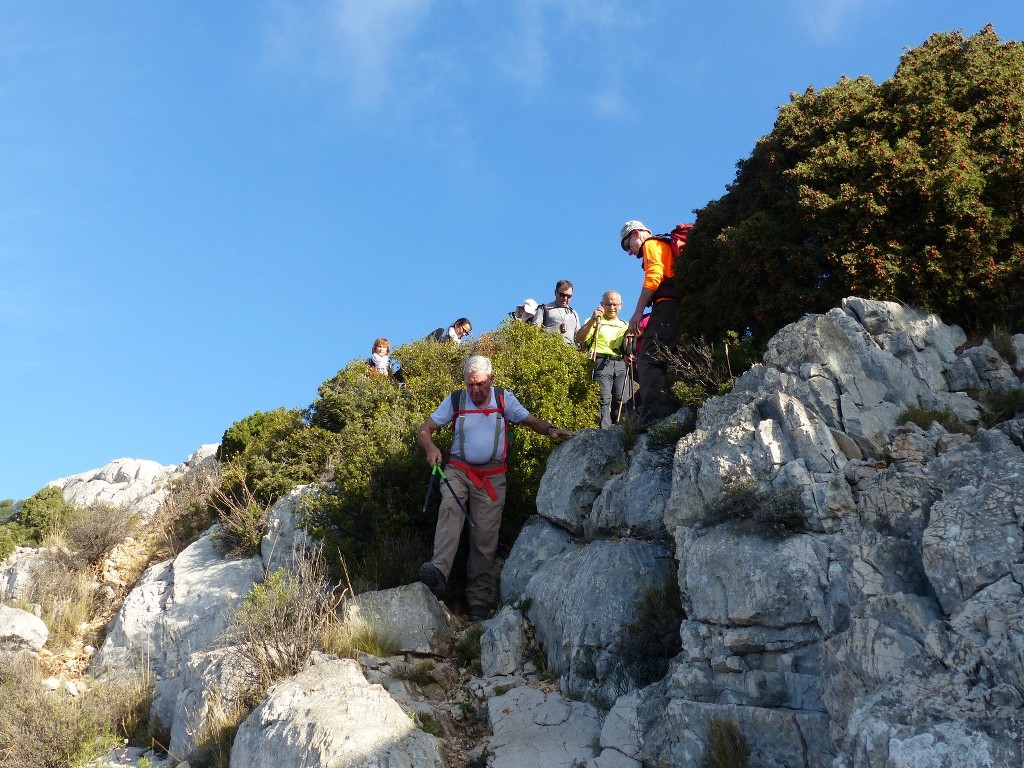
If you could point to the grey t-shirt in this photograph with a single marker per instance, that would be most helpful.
(551, 318)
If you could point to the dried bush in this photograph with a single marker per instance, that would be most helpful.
(777, 512)
(186, 511)
(243, 521)
(91, 534)
(726, 746)
(281, 622)
(1002, 405)
(357, 635)
(51, 729)
(65, 594)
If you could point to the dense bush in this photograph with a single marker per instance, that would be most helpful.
(271, 453)
(44, 512)
(359, 437)
(909, 190)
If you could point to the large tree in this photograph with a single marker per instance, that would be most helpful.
(911, 190)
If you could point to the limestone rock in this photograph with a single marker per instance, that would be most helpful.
(330, 715)
(532, 728)
(410, 614)
(20, 630)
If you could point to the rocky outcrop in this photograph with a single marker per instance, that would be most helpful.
(139, 485)
(584, 564)
(846, 641)
(850, 587)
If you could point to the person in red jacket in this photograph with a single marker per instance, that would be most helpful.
(657, 292)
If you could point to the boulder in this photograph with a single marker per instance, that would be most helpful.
(20, 630)
(410, 614)
(330, 715)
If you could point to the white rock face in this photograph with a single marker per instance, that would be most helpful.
(330, 715)
(139, 485)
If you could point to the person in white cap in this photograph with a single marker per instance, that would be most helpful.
(525, 311)
(658, 292)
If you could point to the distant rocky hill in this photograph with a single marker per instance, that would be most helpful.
(138, 484)
(850, 586)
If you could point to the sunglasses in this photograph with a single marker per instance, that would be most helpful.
(564, 295)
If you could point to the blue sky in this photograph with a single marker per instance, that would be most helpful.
(207, 209)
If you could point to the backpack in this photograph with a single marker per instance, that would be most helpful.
(438, 334)
(676, 239)
(543, 309)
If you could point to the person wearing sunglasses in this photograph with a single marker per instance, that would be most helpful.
(456, 332)
(557, 316)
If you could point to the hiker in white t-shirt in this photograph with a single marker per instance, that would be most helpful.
(475, 478)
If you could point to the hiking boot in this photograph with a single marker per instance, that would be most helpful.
(476, 613)
(432, 577)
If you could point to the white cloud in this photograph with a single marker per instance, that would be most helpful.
(363, 45)
(825, 19)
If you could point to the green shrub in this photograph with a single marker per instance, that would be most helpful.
(13, 535)
(776, 512)
(44, 512)
(271, 453)
(907, 190)
(924, 418)
(668, 432)
(467, 649)
(1002, 405)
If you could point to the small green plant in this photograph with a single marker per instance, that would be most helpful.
(726, 746)
(1002, 405)
(667, 433)
(467, 649)
(653, 639)
(243, 521)
(429, 724)
(420, 673)
(778, 512)
(924, 418)
(1002, 343)
(143, 762)
(524, 604)
(12, 535)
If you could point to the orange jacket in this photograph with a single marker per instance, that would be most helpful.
(659, 271)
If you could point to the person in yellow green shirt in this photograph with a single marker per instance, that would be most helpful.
(602, 336)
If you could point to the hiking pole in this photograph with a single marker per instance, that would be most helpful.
(430, 485)
(444, 479)
(628, 379)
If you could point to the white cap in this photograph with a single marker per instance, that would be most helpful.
(529, 306)
(627, 229)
